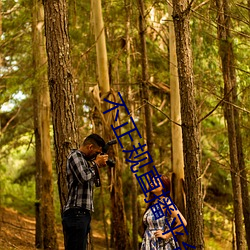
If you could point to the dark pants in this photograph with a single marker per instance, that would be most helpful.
(76, 226)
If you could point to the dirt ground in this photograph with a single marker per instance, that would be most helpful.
(18, 232)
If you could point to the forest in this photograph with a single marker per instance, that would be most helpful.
(180, 73)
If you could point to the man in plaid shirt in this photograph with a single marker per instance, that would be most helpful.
(82, 169)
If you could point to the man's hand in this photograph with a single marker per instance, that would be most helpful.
(101, 160)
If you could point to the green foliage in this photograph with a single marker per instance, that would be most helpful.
(25, 174)
(218, 228)
(19, 197)
(18, 189)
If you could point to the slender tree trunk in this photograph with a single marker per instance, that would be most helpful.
(1, 32)
(130, 99)
(177, 147)
(128, 54)
(101, 51)
(38, 68)
(243, 179)
(1, 62)
(248, 3)
(233, 236)
(104, 220)
(144, 87)
(134, 214)
(46, 237)
(119, 218)
(189, 125)
(117, 203)
(230, 92)
(61, 88)
(102, 68)
(176, 131)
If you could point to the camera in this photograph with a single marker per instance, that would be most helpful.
(110, 162)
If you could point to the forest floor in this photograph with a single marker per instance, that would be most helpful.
(18, 232)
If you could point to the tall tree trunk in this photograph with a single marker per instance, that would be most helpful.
(189, 124)
(144, 87)
(1, 32)
(1, 62)
(46, 237)
(102, 64)
(61, 88)
(104, 219)
(248, 3)
(37, 67)
(101, 51)
(176, 132)
(130, 99)
(118, 212)
(233, 236)
(117, 203)
(134, 214)
(243, 179)
(230, 93)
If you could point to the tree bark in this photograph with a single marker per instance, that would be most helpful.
(1, 31)
(243, 178)
(248, 4)
(104, 219)
(191, 152)
(231, 116)
(117, 203)
(39, 228)
(46, 237)
(1, 62)
(61, 87)
(176, 131)
(101, 51)
(118, 215)
(131, 102)
(144, 86)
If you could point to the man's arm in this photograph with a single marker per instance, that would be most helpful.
(83, 170)
(80, 167)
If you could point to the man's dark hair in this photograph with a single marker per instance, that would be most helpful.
(94, 139)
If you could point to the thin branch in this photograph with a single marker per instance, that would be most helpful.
(218, 104)
(14, 8)
(30, 142)
(234, 105)
(149, 9)
(159, 34)
(162, 122)
(242, 6)
(189, 7)
(10, 120)
(200, 5)
(160, 164)
(205, 170)
(213, 208)
(161, 112)
(229, 169)
(247, 72)
(215, 24)
(170, 3)
(91, 47)
(18, 35)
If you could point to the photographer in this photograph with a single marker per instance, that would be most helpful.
(82, 173)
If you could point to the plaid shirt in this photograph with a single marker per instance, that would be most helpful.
(80, 179)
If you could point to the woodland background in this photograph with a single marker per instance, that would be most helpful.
(138, 42)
